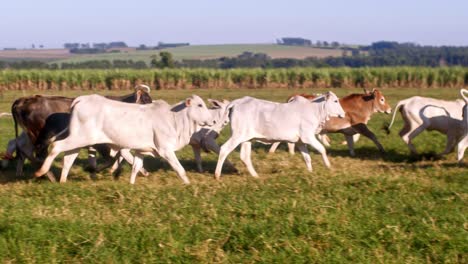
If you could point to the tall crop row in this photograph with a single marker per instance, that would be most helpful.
(235, 78)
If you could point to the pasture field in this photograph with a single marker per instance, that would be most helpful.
(179, 53)
(203, 52)
(367, 209)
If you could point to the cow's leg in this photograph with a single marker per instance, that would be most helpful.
(355, 139)
(92, 162)
(171, 157)
(245, 155)
(305, 155)
(364, 130)
(273, 147)
(226, 148)
(291, 148)
(451, 143)
(197, 155)
(311, 140)
(408, 138)
(20, 159)
(406, 131)
(127, 155)
(57, 147)
(68, 160)
(210, 144)
(324, 139)
(350, 142)
(462, 145)
(137, 165)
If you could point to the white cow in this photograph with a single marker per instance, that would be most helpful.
(421, 113)
(151, 129)
(463, 143)
(205, 138)
(265, 121)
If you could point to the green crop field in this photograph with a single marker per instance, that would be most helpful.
(366, 209)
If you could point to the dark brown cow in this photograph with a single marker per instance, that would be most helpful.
(359, 109)
(42, 117)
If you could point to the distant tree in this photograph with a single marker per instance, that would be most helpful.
(319, 43)
(33, 46)
(166, 59)
(325, 44)
(296, 41)
(71, 45)
(335, 44)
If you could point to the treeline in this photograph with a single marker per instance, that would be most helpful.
(420, 77)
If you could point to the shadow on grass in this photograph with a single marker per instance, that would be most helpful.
(8, 174)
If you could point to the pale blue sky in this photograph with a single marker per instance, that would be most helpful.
(54, 22)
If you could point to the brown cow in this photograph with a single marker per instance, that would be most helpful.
(42, 117)
(359, 109)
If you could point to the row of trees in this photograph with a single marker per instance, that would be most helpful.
(307, 42)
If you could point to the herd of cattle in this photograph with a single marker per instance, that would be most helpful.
(115, 126)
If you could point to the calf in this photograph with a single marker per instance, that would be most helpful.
(421, 113)
(42, 117)
(153, 129)
(297, 121)
(359, 109)
(463, 143)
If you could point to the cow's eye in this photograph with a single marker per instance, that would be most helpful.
(200, 105)
(336, 101)
(382, 99)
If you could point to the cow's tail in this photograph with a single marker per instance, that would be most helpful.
(465, 97)
(397, 107)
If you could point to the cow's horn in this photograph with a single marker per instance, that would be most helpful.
(144, 87)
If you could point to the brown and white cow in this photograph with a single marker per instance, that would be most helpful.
(43, 117)
(359, 109)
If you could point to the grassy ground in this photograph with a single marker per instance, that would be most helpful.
(367, 209)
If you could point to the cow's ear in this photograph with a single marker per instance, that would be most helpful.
(226, 101)
(214, 102)
(374, 90)
(188, 101)
(327, 95)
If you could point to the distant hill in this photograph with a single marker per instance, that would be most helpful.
(179, 53)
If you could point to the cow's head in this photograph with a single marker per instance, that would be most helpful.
(332, 105)
(380, 104)
(142, 94)
(220, 113)
(198, 112)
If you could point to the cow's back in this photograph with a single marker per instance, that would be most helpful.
(439, 115)
(108, 121)
(271, 120)
(32, 112)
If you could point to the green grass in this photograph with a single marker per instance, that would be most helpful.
(212, 52)
(367, 209)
